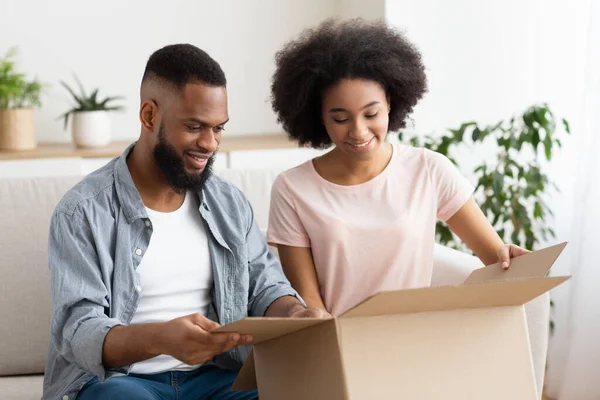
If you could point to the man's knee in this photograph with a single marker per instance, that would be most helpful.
(119, 388)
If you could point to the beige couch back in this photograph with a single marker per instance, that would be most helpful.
(26, 206)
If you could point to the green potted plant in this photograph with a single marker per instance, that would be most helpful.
(512, 186)
(18, 98)
(91, 126)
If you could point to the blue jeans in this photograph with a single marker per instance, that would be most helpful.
(203, 383)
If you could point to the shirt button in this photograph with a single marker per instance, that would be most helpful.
(147, 223)
(138, 252)
(65, 397)
(138, 288)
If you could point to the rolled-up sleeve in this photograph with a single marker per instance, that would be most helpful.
(80, 298)
(267, 280)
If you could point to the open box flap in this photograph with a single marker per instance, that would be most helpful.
(532, 265)
(440, 298)
(246, 378)
(264, 328)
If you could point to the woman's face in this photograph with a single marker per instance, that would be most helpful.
(355, 113)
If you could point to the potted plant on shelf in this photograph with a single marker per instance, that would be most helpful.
(90, 125)
(18, 98)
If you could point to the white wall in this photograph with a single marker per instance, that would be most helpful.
(366, 9)
(487, 60)
(107, 44)
(480, 57)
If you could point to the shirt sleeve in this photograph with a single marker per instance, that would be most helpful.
(267, 279)
(285, 226)
(79, 296)
(451, 187)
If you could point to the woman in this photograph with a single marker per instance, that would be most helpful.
(361, 218)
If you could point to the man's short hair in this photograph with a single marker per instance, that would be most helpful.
(180, 64)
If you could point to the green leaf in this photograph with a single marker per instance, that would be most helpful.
(16, 90)
(75, 97)
(537, 210)
(65, 117)
(476, 134)
(481, 168)
(514, 238)
(566, 125)
(548, 147)
(81, 89)
(113, 98)
(91, 103)
(444, 234)
(498, 184)
(501, 233)
(115, 108)
(529, 240)
(93, 97)
(535, 139)
(497, 217)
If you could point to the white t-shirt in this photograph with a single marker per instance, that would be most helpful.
(175, 274)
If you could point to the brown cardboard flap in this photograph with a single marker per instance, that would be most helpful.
(474, 354)
(532, 265)
(306, 365)
(440, 298)
(246, 379)
(262, 328)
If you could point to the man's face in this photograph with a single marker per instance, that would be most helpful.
(189, 135)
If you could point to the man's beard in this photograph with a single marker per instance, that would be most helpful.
(172, 166)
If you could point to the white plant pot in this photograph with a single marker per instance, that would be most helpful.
(91, 128)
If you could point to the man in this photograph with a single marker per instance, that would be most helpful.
(151, 253)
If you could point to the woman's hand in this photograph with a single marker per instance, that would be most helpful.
(508, 251)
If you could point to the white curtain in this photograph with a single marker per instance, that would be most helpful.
(574, 352)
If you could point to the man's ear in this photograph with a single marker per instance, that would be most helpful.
(149, 115)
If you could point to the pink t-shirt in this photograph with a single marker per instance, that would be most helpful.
(371, 237)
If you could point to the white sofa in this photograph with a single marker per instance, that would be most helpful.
(25, 209)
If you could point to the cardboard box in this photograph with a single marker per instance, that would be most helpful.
(466, 341)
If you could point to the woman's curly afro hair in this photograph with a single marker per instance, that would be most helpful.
(335, 50)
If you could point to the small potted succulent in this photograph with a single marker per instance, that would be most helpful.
(91, 126)
(18, 98)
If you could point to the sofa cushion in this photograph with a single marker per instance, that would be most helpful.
(26, 206)
(21, 387)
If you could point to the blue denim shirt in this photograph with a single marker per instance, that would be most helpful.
(99, 233)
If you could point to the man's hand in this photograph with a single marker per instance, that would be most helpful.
(189, 339)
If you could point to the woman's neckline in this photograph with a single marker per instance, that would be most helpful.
(365, 184)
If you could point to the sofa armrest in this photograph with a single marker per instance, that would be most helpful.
(451, 267)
